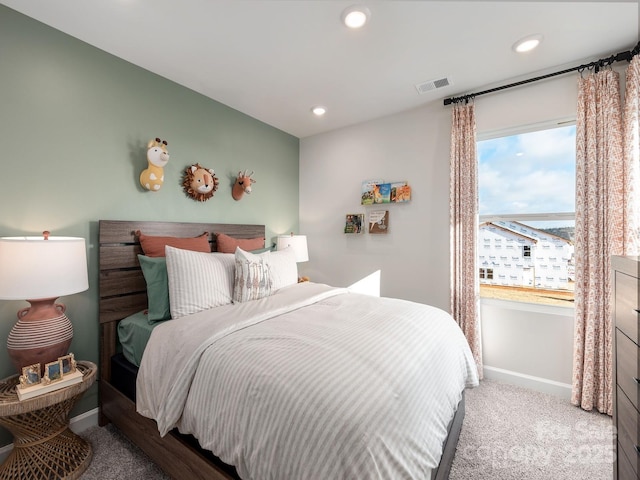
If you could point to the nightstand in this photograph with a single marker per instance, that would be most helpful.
(43, 444)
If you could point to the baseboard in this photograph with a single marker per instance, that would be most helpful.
(85, 420)
(78, 424)
(4, 452)
(529, 381)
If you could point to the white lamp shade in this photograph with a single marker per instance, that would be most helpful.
(297, 242)
(35, 268)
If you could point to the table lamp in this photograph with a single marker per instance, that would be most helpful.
(297, 242)
(39, 270)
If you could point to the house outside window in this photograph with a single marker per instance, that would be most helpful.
(486, 273)
(526, 184)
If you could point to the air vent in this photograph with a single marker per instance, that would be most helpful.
(425, 87)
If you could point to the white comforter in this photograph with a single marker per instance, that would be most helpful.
(313, 382)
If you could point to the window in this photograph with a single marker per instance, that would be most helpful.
(526, 185)
(486, 273)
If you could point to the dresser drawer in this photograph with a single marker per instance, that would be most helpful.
(627, 367)
(627, 305)
(628, 435)
(624, 468)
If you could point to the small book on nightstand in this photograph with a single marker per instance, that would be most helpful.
(69, 379)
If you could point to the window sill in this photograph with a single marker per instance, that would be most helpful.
(567, 311)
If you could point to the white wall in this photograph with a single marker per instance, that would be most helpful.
(528, 345)
(533, 347)
(413, 146)
(413, 257)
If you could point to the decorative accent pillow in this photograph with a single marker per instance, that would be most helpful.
(284, 269)
(153, 246)
(227, 244)
(253, 276)
(198, 281)
(154, 270)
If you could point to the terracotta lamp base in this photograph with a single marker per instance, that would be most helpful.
(42, 334)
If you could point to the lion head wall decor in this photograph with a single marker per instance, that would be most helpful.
(199, 183)
(152, 177)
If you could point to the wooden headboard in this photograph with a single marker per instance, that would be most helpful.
(122, 286)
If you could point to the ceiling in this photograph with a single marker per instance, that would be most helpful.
(275, 59)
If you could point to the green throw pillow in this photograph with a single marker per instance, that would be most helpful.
(154, 270)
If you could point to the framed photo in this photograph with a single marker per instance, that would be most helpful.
(68, 364)
(30, 375)
(52, 372)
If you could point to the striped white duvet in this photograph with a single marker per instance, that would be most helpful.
(311, 383)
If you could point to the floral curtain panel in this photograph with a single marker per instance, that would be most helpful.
(632, 158)
(463, 205)
(599, 233)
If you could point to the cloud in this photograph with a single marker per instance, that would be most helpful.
(528, 173)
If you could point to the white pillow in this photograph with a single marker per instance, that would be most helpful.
(253, 276)
(284, 269)
(198, 280)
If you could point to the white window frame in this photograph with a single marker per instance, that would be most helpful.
(559, 216)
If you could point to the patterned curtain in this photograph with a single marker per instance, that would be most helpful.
(463, 205)
(632, 158)
(600, 198)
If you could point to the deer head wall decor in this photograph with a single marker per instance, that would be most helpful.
(242, 185)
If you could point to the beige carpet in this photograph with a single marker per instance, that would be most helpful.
(509, 433)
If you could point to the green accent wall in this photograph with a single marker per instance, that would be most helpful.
(75, 122)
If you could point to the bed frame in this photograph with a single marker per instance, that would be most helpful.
(122, 293)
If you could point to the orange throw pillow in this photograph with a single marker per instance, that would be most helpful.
(153, 246)
(227, 244)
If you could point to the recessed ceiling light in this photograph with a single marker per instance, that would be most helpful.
(527, 43)
(355, 16)
(319, 110)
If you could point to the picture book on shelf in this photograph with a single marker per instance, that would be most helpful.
(378, 221)
(353, 223)
(376, 192)
(400, 192)
(382, 193)
(368, 189)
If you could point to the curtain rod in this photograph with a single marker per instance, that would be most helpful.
(618, 57)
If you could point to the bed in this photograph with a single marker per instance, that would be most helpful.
(170, 387)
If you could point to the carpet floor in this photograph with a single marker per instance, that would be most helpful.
(512, 433)
(509, 433)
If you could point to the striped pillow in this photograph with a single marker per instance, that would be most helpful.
(253, 276)
(198, 281)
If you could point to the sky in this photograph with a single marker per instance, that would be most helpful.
(528, 173)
